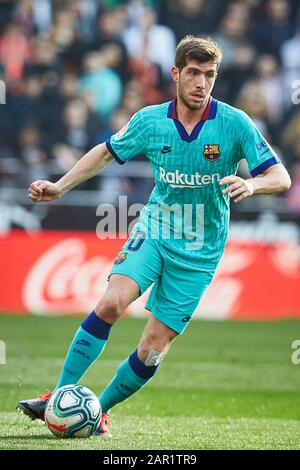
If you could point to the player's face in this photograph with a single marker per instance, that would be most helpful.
(195, 83)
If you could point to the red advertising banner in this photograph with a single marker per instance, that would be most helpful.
(66, 272)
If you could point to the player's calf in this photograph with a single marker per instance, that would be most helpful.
(155, 342)
(139, 368)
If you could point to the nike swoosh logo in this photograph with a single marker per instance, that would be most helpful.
(84, 343)
(167, 150)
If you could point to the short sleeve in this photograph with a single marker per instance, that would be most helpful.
(258, 153)
(129, 141)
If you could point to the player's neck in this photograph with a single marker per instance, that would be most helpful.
(189, 117)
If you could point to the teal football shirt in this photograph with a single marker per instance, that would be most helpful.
(187, 210)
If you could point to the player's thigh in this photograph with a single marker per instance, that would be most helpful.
(175, 297)
(140, 260)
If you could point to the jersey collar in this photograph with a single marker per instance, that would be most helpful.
(210, 112)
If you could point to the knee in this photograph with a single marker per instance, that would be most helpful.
(109, 309)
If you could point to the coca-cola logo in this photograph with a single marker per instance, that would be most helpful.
(63, 280)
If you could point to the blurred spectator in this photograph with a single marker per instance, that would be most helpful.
(252, 101)
(32, 154)
(146, 39)
(63, 32)
(290, 52)
(269, 78)
(234, 29)
(86, 15)
(42, 15)
(28, 106)
(274, 27)
(80, 126)
(231, 80)
(33, 15)
(100, 84)
(111, 24)
(23, 16)
(188, 17)
(149, 75)
(69, 85)
(6, 11)
(268, 86)
(132, 99)
(15, 51)
(44, 58)
(34, 106)
(291, 132)
(291, 64)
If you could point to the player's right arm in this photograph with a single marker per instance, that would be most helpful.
(122, 146)
(88, 166)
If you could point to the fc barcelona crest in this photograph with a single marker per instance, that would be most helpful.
(211, 152)
(121, 257)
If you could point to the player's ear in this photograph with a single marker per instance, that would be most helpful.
(175, 73)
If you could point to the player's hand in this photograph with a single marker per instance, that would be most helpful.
(238, 187)
(43, 190)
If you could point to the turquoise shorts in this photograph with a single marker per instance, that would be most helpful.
(178, 287)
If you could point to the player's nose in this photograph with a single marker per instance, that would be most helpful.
(201, 82)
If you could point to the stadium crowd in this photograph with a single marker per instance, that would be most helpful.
(75, 71)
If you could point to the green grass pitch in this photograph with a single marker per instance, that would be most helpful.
(223, 385)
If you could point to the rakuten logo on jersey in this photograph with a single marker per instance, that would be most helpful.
(185, 180)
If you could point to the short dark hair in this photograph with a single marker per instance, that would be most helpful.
(202, 49)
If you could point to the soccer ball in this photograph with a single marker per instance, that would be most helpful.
(73, 411)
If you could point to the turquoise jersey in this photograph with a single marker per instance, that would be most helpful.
(189, 210)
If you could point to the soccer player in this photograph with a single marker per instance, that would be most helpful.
(194, 145)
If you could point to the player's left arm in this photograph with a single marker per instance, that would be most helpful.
(274, 179)
(269, 176)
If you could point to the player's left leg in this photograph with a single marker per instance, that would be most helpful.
(137, 369)
(137, 266)
(172, 302)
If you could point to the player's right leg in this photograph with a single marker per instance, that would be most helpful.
(137, 266)
(90, 339)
